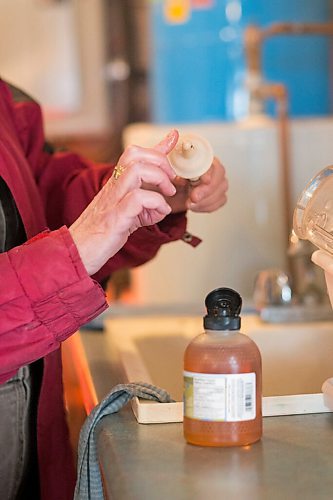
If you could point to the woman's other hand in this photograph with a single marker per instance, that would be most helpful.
(206, 195)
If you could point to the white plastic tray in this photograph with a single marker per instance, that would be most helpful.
(297, 359)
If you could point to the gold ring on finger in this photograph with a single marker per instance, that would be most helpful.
(118, 170)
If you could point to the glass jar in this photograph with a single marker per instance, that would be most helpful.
(313, 215)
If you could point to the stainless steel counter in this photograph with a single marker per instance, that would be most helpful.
(294, 460)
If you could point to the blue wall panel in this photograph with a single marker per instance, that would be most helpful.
(198, 67)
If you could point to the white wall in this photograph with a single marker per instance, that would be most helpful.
(246, 235)
(55, 51)
(240, 239)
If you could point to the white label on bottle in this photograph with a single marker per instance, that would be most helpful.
(220, 397)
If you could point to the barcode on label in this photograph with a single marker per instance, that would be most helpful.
(248, 397)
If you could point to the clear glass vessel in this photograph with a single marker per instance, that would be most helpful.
(313, 215)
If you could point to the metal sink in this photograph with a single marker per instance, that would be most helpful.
(296, 358)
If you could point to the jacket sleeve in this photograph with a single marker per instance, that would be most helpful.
(67, 183)
(46, 295)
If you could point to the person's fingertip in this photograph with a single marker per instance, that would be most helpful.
(323, 260)
(172, 190)
(168, 209)
(196, 196)
(173, 132)
(314, 256)
(173, 174)
(168, 142)
(192, 206)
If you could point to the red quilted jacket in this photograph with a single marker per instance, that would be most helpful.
(45, 292)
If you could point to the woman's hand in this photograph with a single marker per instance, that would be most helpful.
(206, 195)
(123, 205)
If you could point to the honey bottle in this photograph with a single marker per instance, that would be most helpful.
(222, 378)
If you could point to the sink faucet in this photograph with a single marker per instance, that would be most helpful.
(260, 91)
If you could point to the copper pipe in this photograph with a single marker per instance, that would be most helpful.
(254, 37)
(325, 29)
(278, 93)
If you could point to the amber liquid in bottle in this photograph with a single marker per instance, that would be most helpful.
(224, 352)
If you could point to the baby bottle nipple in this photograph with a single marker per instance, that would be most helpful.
(191, 157)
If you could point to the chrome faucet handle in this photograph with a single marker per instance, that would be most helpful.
(272, 288)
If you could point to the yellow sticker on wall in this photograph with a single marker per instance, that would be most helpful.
(177, 11)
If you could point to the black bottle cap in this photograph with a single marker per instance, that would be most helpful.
(223, 308)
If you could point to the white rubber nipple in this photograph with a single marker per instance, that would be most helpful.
(191, 157)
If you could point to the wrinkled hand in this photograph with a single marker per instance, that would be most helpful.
(206, 195)
(123, 205)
